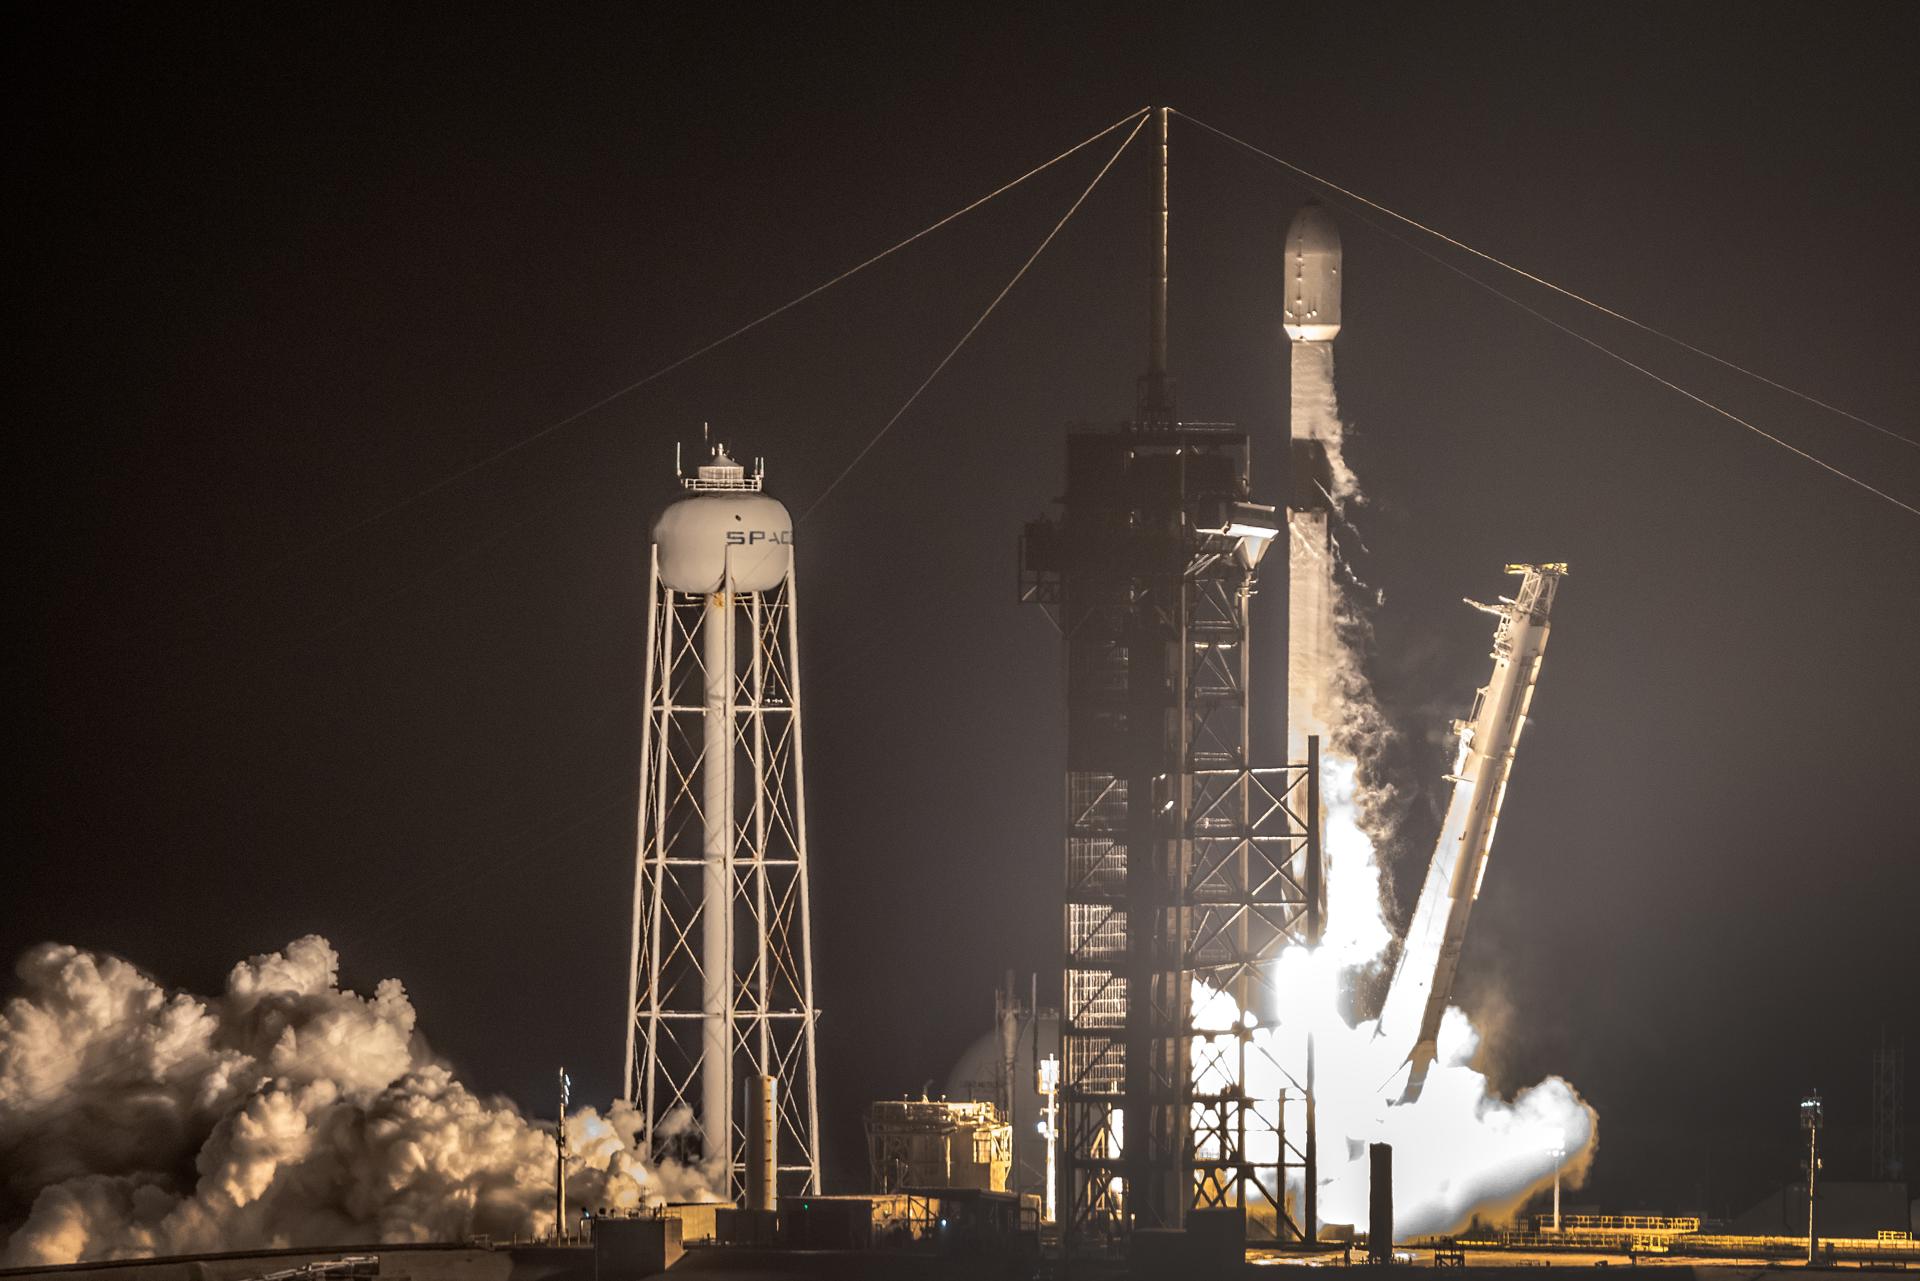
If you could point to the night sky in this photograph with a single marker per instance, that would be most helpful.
(278, 271)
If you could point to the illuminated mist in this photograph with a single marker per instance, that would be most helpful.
(284, 1112)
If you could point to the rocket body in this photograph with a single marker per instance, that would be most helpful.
(1312, 320)
(1313, 276)
(1430, 956)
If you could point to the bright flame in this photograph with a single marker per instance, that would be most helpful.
(1355, 931)
(1459, 1150)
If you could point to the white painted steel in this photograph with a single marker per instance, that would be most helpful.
(704, 536)
(1312, 645)
(716, 901)
(1313, 276)
(806, 883)
(640, 905)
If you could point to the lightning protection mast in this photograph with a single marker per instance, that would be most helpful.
(1187, 868)
(720, 987)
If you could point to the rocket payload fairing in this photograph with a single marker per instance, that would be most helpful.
(1318, 476)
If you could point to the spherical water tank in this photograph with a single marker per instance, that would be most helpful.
(1313, 276)
(705, 537)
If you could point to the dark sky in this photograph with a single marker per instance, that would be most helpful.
(278, 271)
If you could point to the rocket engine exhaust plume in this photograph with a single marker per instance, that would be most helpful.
(284, 1112)
(1460, 1149)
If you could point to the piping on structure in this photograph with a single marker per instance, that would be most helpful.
(1430, 956)
(720, 987)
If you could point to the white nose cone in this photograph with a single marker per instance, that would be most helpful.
(705, 540)
(1313, 276)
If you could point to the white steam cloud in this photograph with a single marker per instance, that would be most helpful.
(284, 1112)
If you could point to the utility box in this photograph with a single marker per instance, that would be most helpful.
(826, 1223)
(1213, 1244)
(745, 1227)
(629, 1249)
(1161, 1252)
(1218, 1237)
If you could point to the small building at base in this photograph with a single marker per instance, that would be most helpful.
(927, 1143)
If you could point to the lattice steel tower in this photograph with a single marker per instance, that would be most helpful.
(721, 979)
(1185, 864)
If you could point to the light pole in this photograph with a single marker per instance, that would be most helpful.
(1559, 1155)
(560, 1163)
(1810, 1118)
(1049, 1087)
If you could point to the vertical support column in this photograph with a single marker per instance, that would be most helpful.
(667, 642)
(1810, 1117)
(628, 1080)
(763, 1142)
(805, 873)
(1380, 1203)
(716, 922)
(1243, 991)
(1158, 401)
(1173, 1051)
(763, 1049)
(1310, 1180)
(560, 1167)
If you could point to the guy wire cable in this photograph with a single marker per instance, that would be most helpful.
(1548, 284)
(972, 329)
(1135, 118)
(1567, 329)
(1605, 350)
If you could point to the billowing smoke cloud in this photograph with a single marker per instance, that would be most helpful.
(284, 1112)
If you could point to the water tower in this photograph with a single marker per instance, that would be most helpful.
(720, 993)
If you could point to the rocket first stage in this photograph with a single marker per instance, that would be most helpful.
(1319, 476)
(1430, 956)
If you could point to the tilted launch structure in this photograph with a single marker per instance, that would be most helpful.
(720, 989)
(1488, 738)
(1184, 862)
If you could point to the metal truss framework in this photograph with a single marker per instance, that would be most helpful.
(1184, 864)
(722, 667)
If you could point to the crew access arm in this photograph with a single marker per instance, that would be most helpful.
(1430, 956)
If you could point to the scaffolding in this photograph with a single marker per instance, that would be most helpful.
(1185, 864)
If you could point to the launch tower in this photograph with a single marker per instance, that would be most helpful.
(720, 989)
(1185, 863)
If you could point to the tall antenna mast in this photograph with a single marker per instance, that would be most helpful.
(1158, 403)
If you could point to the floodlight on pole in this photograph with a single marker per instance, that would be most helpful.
(1559, 1155)
(1812, 1116)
